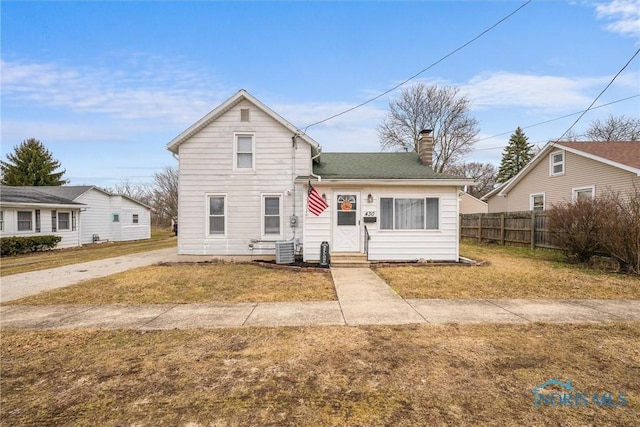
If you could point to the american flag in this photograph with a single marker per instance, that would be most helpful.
(315, 203)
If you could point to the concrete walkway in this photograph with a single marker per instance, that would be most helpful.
(363, 299)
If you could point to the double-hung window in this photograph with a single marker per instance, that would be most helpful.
(556, 163)
(25, 221)
(244, 152)
(537, 202)
(1, 220)
(409, 213)
(64, 221)
(216, 215)
(136, 219)
(272, 214)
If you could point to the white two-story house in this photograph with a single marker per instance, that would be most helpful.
(244, 177)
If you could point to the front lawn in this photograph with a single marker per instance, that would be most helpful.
(194, 283)
(510, 273)
(480, 375)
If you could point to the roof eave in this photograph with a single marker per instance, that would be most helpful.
(431, 182)
(41, 205)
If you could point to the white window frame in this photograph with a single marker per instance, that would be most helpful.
(263, 215)
(235, 151)
(69, 223)
(208, 215)
(553, 163)
(135, 218)
(531, 202)
(424, 225)
(31, 220)
(575, 191)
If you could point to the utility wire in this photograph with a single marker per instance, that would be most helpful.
(421, 71)
(549, 121)
(600, 94)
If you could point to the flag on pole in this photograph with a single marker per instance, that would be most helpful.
(315, 203)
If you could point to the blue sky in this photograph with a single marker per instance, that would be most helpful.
(106, 85)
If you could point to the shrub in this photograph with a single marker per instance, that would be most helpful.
(576, 227)
(620, 229)
(23, 245)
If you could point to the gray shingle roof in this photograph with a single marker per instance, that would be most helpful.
(375, 166)
(70, 192)
(32, 195)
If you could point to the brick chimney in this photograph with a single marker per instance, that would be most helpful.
(425, 147)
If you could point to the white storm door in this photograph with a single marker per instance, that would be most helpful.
(346, 222)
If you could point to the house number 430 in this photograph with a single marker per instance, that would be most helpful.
(369, 214)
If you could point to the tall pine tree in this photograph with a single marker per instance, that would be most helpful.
(515, 156)
(31, 164)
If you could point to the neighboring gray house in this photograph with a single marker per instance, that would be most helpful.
(564, 171)
(100, 214)
(244, 175)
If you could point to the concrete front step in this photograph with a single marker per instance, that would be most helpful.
(349, 259)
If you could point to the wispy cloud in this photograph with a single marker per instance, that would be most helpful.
(623, 16)
(143, 87)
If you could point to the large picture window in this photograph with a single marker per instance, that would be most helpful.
(409, 214)
(217, 215)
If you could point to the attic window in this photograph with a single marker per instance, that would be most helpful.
(244, 114)
(556, 163)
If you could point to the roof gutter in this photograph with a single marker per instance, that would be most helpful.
(389, 182)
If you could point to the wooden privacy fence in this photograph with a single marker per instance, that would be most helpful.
(508, 228)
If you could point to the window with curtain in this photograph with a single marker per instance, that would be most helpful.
(409, 214)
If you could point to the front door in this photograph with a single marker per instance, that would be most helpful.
(346, 225)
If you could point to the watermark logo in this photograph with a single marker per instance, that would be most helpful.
(568, 396)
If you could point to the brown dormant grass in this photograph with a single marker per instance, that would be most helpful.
(509, 273)
(426, 375)
(160, 239)
(194, 283)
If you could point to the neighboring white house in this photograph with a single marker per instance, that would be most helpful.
(102, 215)
(244, 175)
(27, 212)
(564, 171)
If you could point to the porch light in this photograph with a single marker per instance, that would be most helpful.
(324, 196)
(370, 198)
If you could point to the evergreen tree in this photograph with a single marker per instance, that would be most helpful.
(515, 156)
(31, 164)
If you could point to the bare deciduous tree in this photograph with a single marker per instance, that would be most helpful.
(165, 194)
(619, 128)
(430, 107)
(484, 174)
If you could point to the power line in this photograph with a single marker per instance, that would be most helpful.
(549, 121)
(421, 71)
(600, 94)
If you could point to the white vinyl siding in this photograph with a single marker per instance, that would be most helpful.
(207, 165)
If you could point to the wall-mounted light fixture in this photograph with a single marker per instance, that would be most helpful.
(324, 196)
(370, 198)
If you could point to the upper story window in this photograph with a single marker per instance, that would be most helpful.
(136, 219)
(556, 163)
(584, 193)
(244, 114)
(537, 202)
(244, 152)
(1, 220)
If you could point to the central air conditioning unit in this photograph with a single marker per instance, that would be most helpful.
(285, 252)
